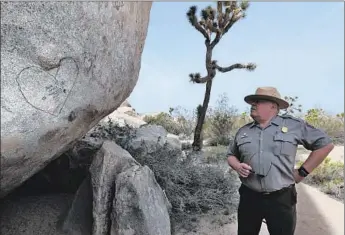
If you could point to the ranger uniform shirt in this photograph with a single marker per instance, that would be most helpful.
(271, 151)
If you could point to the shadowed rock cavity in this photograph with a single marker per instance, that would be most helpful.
(56, 200)
(46, 202)
(111, 194)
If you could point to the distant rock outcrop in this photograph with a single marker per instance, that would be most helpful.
(124, 115)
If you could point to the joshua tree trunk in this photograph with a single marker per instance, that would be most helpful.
(197, 144)
(214, 21)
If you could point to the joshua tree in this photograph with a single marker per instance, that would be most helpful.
(293, 107)
(214, 24)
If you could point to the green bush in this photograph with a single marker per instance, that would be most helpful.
(215, 154)
(166, 121)
(220, 140)
(220, 122)
(332, 125)
(186, 120)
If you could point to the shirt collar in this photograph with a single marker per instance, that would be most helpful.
(277, 120)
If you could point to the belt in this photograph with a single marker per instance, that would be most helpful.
(278, 191)
(270, 193)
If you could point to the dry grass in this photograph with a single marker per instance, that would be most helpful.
(328, 177)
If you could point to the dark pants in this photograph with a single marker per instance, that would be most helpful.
(278, 209)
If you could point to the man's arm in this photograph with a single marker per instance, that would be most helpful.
(233, 160)
(233, 155)
(316, 157)
(320, 145)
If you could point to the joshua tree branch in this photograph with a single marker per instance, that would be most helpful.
(249, 66)
(201, 30)
(216, 39)
(194, 21)
(197, 79)
(230, 23)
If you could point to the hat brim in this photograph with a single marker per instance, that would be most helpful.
(281, 103)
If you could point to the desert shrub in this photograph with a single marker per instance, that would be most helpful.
(186, 120)
(329, 177)
(332, 125)
(195, 189)
(221, 119)
(219, 140)
(192, 189)
(214, 155)
(165, 120)
(112, 131)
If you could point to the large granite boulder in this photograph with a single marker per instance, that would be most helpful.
(64, 67)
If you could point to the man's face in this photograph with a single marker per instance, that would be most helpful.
(261, 109)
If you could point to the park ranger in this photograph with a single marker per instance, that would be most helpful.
(263, 154)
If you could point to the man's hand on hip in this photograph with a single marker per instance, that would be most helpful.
(243, 169)
(297, 177)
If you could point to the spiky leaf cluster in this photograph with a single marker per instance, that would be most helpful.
(217, 20)
(293, 106)
(194, 76)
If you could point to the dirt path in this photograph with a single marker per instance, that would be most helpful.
(317, 214)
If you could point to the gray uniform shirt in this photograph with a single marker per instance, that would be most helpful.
(271, 151)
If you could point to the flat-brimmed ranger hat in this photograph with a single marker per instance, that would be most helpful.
(267, 93)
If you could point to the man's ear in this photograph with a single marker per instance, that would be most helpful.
(275, 106)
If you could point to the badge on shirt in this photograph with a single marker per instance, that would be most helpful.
(284, 129)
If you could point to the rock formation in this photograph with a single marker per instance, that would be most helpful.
(125, 115)
(118, 197)
(64, 67)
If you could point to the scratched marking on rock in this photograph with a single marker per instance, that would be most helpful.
(119, 4)
(48, 91)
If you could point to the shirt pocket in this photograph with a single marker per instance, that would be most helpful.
(285, 144)
(246, 148)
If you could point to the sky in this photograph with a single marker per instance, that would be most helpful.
(298, 48)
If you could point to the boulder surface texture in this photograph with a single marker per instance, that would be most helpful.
(64, 67)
